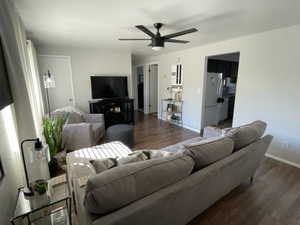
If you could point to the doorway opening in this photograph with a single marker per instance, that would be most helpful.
(146, 88)
(140, 88)
(220, 89)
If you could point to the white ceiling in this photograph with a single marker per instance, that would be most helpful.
(99, 23)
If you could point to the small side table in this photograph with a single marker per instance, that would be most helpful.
(53, 208)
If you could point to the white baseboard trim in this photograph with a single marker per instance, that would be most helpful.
(184, 126)
(190, 128)
(282, 160)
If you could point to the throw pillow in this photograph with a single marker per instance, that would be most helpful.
(101, 165)
(156, 154)
(74, 115)
(209, 150)
(132, 158)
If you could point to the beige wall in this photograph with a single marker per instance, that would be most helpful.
(267, 89)
(88, 62)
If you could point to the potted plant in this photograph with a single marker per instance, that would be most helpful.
(52, 130)
(40, 186)
(40, 197)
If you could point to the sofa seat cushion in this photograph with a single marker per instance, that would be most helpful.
(209, 150)
(119, 186)
(246, 134)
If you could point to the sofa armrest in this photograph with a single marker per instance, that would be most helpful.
(78, 135)
(94, 118)
(210, 131)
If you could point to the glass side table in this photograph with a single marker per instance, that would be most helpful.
(53, 208)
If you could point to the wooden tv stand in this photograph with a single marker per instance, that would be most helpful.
(115, 110)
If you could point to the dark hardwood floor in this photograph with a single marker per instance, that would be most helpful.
(151, 133)
(272, 199)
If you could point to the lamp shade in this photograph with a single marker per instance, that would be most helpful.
(49, 81)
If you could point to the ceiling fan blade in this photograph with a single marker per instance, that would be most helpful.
(176, 41)
(145, 30)
(134, 39)
(192, 30)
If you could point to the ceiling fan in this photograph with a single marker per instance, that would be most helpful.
(158, 41)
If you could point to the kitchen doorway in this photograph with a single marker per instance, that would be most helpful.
(220, 89)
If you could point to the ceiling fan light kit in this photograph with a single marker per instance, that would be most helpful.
(157, 48)
(158, 41)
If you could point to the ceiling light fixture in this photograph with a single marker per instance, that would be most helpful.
(157, 48)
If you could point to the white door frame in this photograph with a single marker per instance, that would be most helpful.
(204, 84)
(146, 85)
(70, 66)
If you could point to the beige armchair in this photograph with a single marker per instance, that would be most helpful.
(81, 129)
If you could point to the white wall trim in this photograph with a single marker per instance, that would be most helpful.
(282, 160)
(190, 128)
(184, 126)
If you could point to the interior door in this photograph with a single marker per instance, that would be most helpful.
(60, 67)
(153, 83)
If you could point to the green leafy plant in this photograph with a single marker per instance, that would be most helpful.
(52, 130)
(40, 186)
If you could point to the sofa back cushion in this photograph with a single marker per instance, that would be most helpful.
(209, 150)
(119, 186)
(246, 134)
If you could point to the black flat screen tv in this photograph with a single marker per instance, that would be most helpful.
(104, 87)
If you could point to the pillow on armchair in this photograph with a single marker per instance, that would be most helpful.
(74, 115)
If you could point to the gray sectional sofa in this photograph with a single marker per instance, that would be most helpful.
(172, 189)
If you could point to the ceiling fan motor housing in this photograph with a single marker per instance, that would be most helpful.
(157, 42)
